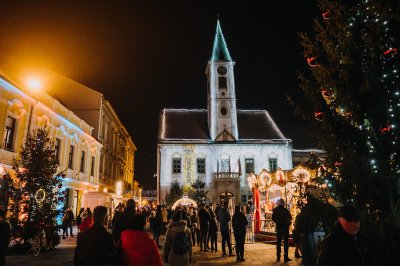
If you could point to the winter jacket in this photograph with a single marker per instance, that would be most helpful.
(122, 223)
(239, 222)
(224, 219)
(86, 224)
(282, 218)
(204, 217)
(213, 227)
(94, 247)
(139, 249)
(340, 248)
(168, 251)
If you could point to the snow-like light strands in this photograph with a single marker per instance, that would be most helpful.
(301, 175)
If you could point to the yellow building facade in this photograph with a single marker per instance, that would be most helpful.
(77, 151)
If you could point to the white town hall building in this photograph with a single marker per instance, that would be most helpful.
(221, 145)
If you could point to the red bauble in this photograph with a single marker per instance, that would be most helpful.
(391, 52)
(385, 130)
(312, 61)
(338, 164)
(319, 116)
(326, 15)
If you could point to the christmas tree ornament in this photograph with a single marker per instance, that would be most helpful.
(60, 185)
(312, 61)
(385, 130)
(389, 53)
(319, 116)
(326, 15)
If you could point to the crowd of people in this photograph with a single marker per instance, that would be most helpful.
(185, 227)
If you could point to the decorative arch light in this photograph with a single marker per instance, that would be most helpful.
(265, 178)
(184, 201)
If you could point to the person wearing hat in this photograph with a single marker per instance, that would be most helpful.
(282, 218)
(344, 246)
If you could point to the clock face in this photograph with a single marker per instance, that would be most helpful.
(221, 70)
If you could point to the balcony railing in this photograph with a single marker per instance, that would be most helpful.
(227, 175)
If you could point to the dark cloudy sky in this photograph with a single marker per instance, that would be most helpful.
(146, 55)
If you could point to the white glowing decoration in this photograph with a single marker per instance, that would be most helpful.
(265, 178)
(40, 195)
(1, 169)
(184, 201)
(301, 175)
(34, 84)
(105, 190)
(252, 180)
(118, 188)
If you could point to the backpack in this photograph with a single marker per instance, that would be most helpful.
(180, 243)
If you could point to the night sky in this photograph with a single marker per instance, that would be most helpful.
(147, 55)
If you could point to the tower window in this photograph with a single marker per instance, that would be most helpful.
(224, 111)
(176, 165)
(222, 82)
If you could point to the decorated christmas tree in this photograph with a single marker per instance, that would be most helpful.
(175, 193)
(352, 101)
(33, 187)
(197, 192)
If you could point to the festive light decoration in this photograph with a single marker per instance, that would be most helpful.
(385, 130)
(312, 61)
(319, 116)
(280, 177)
(326, 15)
(265, 178)
(389, 53)
(40, 195)
(301, 175)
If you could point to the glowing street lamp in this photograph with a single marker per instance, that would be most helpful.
(34, 85)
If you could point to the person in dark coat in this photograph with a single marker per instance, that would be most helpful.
(282, 218)
(122, 223)
(70, 221)
(239, 223)
(344, 245)
(217, 209)
(4, 237)
(95, 246)
(194, 221)
(158, 223)
(225, 219)
(204, 218)
(213, 231)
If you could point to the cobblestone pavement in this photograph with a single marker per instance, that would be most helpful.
(255, 254)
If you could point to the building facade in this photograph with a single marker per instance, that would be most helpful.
(221, 145)
(77, 151)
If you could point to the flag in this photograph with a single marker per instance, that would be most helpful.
(239, 167)
(217, 167)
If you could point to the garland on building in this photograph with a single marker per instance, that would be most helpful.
(33, 187)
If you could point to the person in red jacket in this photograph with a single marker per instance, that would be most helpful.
(87, 222)
(137, 248)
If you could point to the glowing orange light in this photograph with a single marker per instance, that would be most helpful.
(312, 61)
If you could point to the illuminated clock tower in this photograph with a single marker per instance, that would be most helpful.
(222, 115)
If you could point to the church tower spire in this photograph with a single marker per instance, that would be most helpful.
(222, 115)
